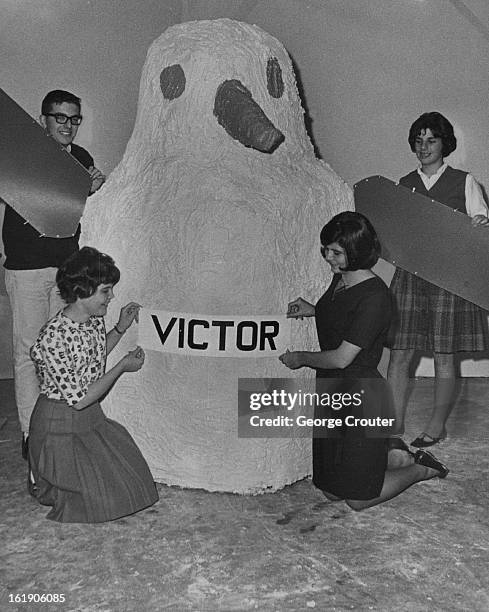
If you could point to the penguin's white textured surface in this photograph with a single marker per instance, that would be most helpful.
(197, 222)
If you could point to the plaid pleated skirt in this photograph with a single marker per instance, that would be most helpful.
(86, 466)
(428, 318)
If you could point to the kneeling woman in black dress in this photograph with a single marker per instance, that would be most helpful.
(352, 319)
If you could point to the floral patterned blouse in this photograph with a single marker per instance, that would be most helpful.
(69, 356)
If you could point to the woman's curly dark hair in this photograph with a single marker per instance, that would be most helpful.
(81, 274)
(354, 233)
(440, 128)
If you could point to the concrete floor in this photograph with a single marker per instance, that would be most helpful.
(428, 549)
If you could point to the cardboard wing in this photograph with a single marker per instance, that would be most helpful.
(427, 238)
(46, 185)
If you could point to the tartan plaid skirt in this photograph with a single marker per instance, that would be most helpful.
(429, 318)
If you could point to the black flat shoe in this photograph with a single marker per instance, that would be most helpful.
(425, 458)
(425, 440)
(25, 447)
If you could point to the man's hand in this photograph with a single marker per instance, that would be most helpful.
(480, 220)
(98, 179)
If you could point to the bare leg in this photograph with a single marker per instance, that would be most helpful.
(395, 482)
(401, 473)
(398, 377)
(445, 382)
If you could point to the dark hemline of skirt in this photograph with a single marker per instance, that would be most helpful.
(86, 466)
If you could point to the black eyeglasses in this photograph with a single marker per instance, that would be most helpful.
(60, 118)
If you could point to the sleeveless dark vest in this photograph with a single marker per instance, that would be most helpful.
(449, 189)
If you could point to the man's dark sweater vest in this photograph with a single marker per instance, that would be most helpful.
(24, 247)
(449, 189)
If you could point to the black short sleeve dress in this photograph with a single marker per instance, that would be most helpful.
(350, 461)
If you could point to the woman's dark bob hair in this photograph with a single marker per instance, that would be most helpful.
(354, 233)
(81, 274)
(440, 128)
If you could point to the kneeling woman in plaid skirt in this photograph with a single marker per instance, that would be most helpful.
(428, 318)
(85, 466)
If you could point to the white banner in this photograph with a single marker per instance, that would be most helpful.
(213, 335)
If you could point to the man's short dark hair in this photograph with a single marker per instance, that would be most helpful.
(440, 128)
(354, 233)
(58, 96)
(81, 274)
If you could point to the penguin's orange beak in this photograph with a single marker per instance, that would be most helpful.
(243, 119)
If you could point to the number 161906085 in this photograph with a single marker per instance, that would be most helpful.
(36, 598)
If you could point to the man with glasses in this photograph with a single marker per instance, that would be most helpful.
(32, 260)
(60, 117)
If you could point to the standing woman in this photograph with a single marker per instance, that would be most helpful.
(86, 466)
(352, 320)
(428, 318)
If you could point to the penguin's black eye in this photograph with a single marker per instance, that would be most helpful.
(275, 82)
(172, 81)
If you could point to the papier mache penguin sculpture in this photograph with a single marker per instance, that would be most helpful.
(215, 208)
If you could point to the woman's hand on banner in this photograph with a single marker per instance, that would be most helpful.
(292, 359)
(300, 308)
(134, 360)
(128, 314)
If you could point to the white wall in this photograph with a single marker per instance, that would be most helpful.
(368, 69)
